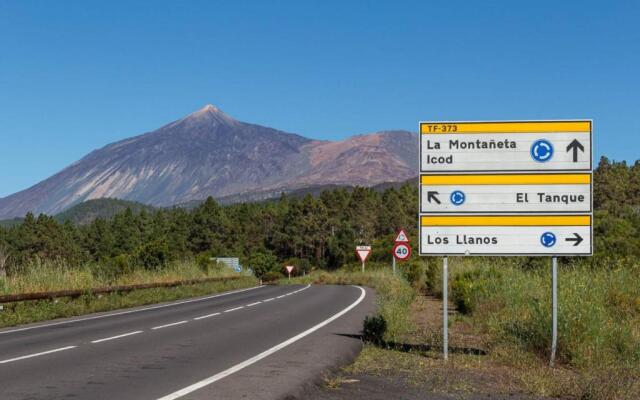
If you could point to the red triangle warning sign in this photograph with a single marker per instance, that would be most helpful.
(402, 237)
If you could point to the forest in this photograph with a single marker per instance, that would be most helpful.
(312, 232)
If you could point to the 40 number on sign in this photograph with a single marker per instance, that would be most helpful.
(402, 251)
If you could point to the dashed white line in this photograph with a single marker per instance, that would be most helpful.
(37, 354)
(253, 304)
(269, 299)
(116, 337)
(234, 309)
(168, 325)
(28, 328)
(208, 381)
(207, 316)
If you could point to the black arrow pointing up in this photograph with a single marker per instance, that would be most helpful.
(575, 145)
(432, 195)
(576, 238)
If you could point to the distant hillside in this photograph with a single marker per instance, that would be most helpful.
(271, 195)
(85, 213)
(8, 223)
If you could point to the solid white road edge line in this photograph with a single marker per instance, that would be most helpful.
(234, 309)
(253, 304)
(116, 337)
(206, 316)
(254, 359)
(270, 299)
(130, 311)
(171, 324)
(37, 354)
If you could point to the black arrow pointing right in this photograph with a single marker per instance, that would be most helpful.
(575, 145)
(432, 195)
(576, 238)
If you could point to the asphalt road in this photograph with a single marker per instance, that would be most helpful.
(257, 343)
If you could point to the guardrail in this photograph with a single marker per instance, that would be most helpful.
(13, 298)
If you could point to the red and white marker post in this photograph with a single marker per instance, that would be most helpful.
(363, 253)
(401, 248)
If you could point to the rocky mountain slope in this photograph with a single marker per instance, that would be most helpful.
(208, 153)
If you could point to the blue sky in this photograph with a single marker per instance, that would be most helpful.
(77, 75)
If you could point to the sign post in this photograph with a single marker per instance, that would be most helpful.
(289, 269)
(445, 308)
(401, 248)
(506, 188)
(363, 253)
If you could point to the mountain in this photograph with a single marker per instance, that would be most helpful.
(208, 153)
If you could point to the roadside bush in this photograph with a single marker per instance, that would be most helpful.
(153, 255)
(263, 264)
(374, 329)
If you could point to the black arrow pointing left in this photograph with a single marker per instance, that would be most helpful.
(576, 238)
(433, 195)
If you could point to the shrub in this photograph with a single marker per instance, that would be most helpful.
(374, 329)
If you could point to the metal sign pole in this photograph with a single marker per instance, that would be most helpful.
(394, 265)
(445, 308)
(363, 267)
(554, 312)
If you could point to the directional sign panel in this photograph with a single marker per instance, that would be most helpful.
(505, 146)
(506, 193)
(506, 235)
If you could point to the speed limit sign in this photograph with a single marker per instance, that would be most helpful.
(402, 251)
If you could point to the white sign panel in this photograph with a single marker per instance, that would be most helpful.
(505, 146)
(506, 193)
(363, 252)
(506, 235)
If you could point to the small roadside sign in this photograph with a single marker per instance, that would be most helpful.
(363, 253)
(289, 270)
(402, 251)
(402, 237)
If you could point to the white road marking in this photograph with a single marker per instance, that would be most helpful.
(269, 299)
(253, 304)
(234, 309)
(206, 316)
(116, 337)
(130, 311)
(279, 297)
(37, 354)
(205, 382)
(168, 325)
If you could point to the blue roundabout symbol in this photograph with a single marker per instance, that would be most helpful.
(457, 197)
(542, 150)
(548, 239)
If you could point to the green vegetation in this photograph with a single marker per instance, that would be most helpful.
(88, 211)
(49, 276)
(598, 321)
(506, 299)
